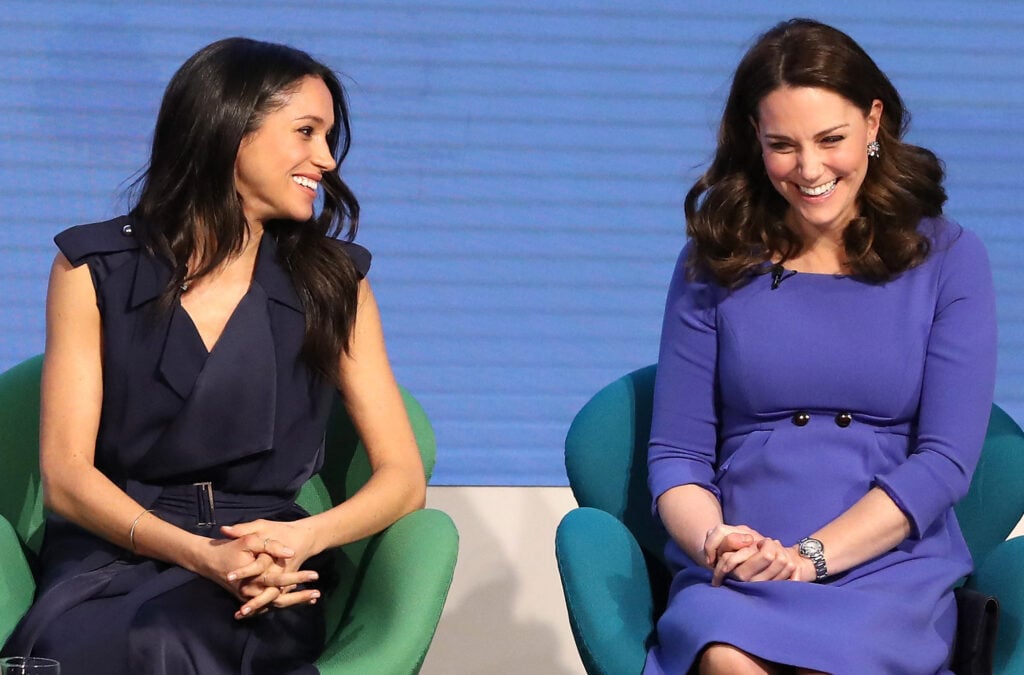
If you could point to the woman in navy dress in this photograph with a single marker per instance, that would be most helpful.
(193, 350)
(824, 384)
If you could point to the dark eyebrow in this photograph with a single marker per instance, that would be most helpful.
(826, 132)
(314, 118)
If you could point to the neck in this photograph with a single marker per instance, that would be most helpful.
(822, 251)
(247, 253)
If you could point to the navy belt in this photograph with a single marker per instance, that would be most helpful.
(200, 505)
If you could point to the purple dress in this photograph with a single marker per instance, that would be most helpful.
(247, 417)
(789, 404)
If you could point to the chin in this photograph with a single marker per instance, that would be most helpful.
(820, 219)
(298, 215)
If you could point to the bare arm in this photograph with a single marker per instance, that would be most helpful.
(689, 512)
(693, 517)
(374, 403)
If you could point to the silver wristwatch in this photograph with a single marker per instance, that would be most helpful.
(814, 550)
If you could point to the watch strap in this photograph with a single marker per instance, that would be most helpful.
(816, 556)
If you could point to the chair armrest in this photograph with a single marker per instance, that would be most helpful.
(17, 587)
(399, 599)
(1002, 575)
(607, 591)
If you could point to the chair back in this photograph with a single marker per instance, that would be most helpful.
(606, 456)
(606, 462)
(995, 502)
(21, 499)
(346, 469)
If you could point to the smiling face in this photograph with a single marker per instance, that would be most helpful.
(814, 144)
(280, 164)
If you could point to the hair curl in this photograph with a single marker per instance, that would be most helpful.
(734, 215)
(189, 211)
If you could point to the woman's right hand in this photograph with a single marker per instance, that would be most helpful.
(723, 538)
(219, 559)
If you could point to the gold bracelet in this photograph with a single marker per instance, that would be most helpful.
(131, 532)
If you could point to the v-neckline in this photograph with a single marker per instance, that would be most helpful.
(227, 324)
(208, 348)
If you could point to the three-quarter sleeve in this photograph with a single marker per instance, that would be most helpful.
(685, 421)
(957, 388)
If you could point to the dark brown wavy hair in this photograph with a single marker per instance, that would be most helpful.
(734, 215)
(187, 204)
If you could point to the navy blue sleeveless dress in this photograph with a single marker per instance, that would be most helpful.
(247, 418)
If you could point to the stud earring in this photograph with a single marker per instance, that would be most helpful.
(874, 149)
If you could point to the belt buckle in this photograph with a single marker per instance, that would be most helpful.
(206, 515)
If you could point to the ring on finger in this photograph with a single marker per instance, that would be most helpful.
(266, 544)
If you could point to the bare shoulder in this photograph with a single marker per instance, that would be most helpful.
(72, 315)
(66, 278)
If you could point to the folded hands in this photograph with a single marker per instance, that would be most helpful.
(260, 562)
(741, 553)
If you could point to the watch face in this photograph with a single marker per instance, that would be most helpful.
(810, 547)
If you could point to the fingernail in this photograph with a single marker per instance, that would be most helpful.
(316, 594)
(232, 576)
(288, 551)
(246, 611)
(313, 601)
(312, 576)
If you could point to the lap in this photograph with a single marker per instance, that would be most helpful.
(175, 622)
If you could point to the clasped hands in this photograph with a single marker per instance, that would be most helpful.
(744, 554)
(262, 559)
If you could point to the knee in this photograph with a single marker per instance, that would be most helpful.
(727, 659)
(158, 642)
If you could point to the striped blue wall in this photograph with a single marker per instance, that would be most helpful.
(521, 167)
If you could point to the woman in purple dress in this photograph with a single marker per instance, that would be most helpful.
(824, 384)
(193, 351)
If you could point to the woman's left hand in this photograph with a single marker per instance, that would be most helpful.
(804, 570)
(289, 545)
(292, 543)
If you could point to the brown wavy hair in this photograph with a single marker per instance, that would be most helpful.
(187, 203)
(734, 215)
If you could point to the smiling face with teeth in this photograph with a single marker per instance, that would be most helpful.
(280, 164)
(814, 144)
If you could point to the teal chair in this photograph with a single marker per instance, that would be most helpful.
(609, 551)
(381, 618)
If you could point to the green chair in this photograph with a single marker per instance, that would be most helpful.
(381, 618)
(609, 550)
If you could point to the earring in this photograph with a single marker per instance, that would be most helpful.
(874, 149)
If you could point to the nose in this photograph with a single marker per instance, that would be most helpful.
(322, 158)
(809, 164)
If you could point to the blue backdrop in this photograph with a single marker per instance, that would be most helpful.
(521, 167)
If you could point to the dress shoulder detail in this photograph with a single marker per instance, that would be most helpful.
(361, 257)
(109, 236)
